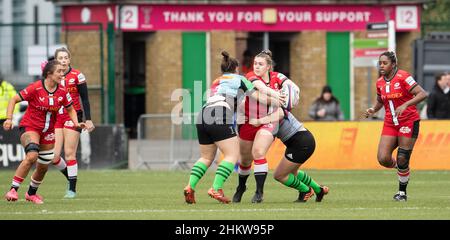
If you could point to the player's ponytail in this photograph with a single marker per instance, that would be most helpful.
(228, 64)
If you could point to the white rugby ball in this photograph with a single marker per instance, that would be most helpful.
(292, 94)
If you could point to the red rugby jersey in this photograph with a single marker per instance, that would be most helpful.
(256, 109)
(43, 105)
(394, 93)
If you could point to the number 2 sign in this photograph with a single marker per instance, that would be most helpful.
(406, 17)
(128, 17)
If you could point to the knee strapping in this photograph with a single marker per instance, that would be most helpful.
(32, 147)
(46, 157)
(403, 156)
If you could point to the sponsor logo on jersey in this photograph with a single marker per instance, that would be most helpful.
(60, 99)
(397, 85)
(410, 81)
(49, 137)
(69, 98)
(405, 129)
(81, 78)
(69, 124)
(72, 80)
(51, 109)
(392, 96)
(281, 76)
(71, 89)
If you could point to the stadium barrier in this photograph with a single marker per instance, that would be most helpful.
(354, 145)
(339, 145)
(165, 141)
(105, 147)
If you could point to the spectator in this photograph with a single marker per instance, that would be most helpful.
(326, 107)
(247, 62)
(438, 104)
(7, 91)
(447, 91)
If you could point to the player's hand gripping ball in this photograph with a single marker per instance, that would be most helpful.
(292, 94)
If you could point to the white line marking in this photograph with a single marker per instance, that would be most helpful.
(46, 212)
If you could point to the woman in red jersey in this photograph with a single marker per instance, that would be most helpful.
(255, 141)
(37, 136)
(399, 93)
(66, 132)
(216, 128)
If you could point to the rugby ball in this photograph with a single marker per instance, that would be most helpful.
(292, 94)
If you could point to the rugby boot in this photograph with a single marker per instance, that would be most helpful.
(36, 199)
(218, 195)
(324, 191)
(400, 196)
(70, 194)
(238, 194)
(189, 195)
(11, 195)
(305, 196)
(258, 197)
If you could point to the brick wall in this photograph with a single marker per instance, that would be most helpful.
(404, 43)
(221, 41)
(163, 70)
(308, 68)
(84, 47)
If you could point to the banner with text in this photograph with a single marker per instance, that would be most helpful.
(244, 17)
(106, 147)
(353, 145)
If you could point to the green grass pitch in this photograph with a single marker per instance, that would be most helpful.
(124, 194)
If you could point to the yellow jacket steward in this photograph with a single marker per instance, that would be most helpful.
(7, 91)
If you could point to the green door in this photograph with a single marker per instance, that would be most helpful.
(338, 68)
(194, 76)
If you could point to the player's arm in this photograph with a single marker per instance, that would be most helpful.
(273, 117)
(419, 95)
(254, 93)
(7, 125)
(68, 105)
(73, 116)
(265, 89)
(372, 110)
(265, 99)
(83, 91)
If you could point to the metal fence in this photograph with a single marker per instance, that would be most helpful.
(166, 141)
(426, 28)
(23, 46)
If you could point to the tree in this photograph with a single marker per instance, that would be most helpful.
(436, 11)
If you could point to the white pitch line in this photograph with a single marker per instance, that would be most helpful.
(46, 212)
